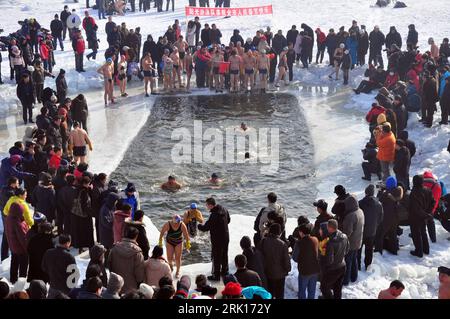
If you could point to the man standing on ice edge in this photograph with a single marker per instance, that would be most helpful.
(217, 225)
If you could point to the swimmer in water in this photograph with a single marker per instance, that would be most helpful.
(171, 185)
(244, 126)
(215, 179)
(247, 155)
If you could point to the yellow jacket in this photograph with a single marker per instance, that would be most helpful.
(191, 215)
(26, 209)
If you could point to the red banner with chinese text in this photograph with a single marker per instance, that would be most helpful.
(230, 12)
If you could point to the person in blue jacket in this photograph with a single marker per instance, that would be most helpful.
(130, 196)
(352, 45)
(9, 168)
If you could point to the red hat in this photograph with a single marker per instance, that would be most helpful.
(232, 289)
(15, 159)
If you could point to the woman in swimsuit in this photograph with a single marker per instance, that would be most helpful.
(282, 65)
(338, 55)
(175, 230)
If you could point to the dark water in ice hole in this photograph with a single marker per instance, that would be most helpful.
(147, 161)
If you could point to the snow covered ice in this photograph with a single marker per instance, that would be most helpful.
(335, 117)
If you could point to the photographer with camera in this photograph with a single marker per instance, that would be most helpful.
(371, 165)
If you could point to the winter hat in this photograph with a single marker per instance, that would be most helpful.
(146, 290)
(130, 188)
(370, 190)
(339, 190)
(391, 183)
(115, 283)
(4, 289)
(96, 252)
(39, 218)
(381, 118)
(37, 289)
(418, 181)
(252, 291)
(15, 159)
(232, 289)
(322, 204)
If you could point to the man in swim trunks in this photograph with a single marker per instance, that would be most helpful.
(249, 69)
(181, 45)
(235, 67)
(149, 73)
(171, 185)
(107, 70)
(188, 60)
(176, 72)
(262, 63)
(218, 78)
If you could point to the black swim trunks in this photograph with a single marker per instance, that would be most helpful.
(216, 70)
(262, 71)
(182, 54)
(248, 71)
(234, 72)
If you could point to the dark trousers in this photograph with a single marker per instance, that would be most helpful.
(404, 179)
(101, 13)
(5, 247)
(159, 4)
(19, 266)
(272, 69)
(17, 70)
(219, 3)
(428, 109)
(27, 108)
(173, 5)
(78, 62)
(366, 87)
(331, 283)
(199, 77)
(55, 43)
(304, 58)
(276, 287)
(376, 58)
(369, 169)
(92, 55)
(291, 71)
(320, 54)
(346, 75)
(331, 57)
(192, 3)
(444, 112)
(368, 251)
(420, 238)
(361, 58)
(219, 254)
(133, 5)
(431, 226)
(87, 4)
(39, 88)
(351, 270)
(64, 31)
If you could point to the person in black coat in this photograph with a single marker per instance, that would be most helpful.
(217, 225)
(413, 36)
(373, 217)
(346, 65)
(43, 197)
(279, 42)
(214, 34)
(142, 240)
(79, 110)
(64, 202)
(245, 276)
(64, 15)
(331, 43)
(430, 97)
(291, 35)
(377, 40)
(56, 263)
(25, 93)
(421, 203)
(401, 114)
(393, 37)
(53, 132)
(97, 257)
(309, 31)
(372, 166)
(402, 163)
(363, 46)
(255, 259)
(61, 86)
(106, 217)
(57, 28)
(37, 246)
(204, 35)
(445, 102)
(236, 38)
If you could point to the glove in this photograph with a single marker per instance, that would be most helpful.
(160, 243)
(188, 245)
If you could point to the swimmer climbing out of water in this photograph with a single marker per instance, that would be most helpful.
(175, 230)
(171, 185)
(191, 217)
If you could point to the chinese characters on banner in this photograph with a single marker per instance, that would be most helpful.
(223, 12)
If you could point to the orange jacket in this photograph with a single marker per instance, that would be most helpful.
(386, 147)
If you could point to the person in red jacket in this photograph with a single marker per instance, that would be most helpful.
(44, 51)
(16, 229)
(430, 182)
(372, 115)
(391, 80)
(119, 221)
(321, 45)
(79, 46)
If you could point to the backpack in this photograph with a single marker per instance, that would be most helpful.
(77, 209)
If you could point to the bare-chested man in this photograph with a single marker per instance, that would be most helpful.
(149, 73)
(235, 67)
(218, 77)
(107, 70)
(262, 63)
(249, 69)
(182, 46)
(176, 72)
